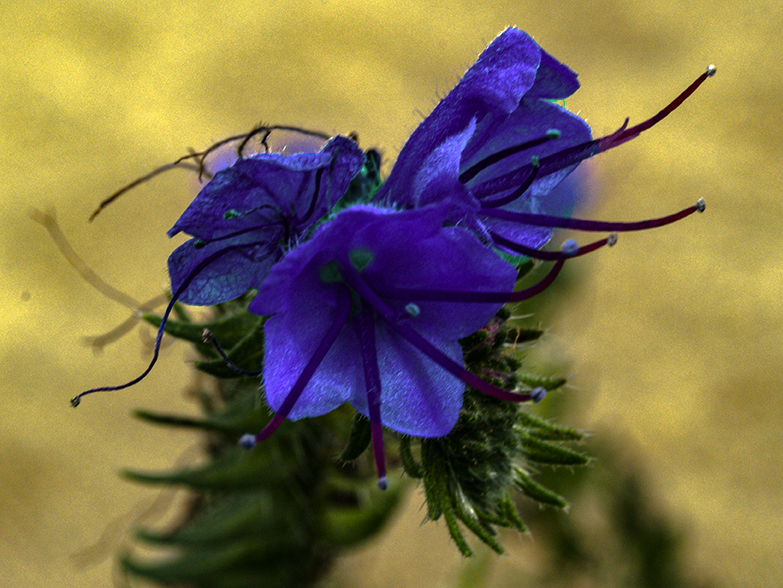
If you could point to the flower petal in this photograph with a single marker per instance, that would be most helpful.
(291, 190)
(408, 249)
(217, 272)
(496, 83)
(554, 81)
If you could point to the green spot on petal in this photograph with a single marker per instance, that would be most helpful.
(360, 257)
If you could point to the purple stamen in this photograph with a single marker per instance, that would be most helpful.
(156, 350)
(473, 296)
(365, 329)
(551, 255)
(208, 337)
(472, 172)
(516, 193)
(621, 136)
(76, 400)
(538, 394)
(542, 220)
(342, 315)
(573, 155)
(353, 279)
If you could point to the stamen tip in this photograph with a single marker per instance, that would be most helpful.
(537, 394)
(569, 247)
(247, 441)
(75, 401)
(554, 133)
(413, 309)
(701, 206)
(611, 240)
(206, 336)
(711, 70)
(383, 483)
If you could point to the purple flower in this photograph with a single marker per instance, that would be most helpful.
(495, 121)
(249, 213)
(369, 311)
(244, 219)
(369, 307)
(496, 147)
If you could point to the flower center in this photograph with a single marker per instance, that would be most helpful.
(360, 257)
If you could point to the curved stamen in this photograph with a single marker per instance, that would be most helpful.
(353, 279)
(618, 138)
(76, 400)
(542, 220)
(573, 155)
(473, 296)
(473, 171)
(365, 329)
(610, 240)
(200, 243)
(201, 157)
(314, 199)
(159, 337)
(208, 337)
(516, 193)
(342, 315)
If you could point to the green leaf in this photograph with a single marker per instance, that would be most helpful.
(536, 491)
(544, 452)
(409, 463)
(236, 469)
(358, 440)
(543, 429)
(228, 331)
(345, 527)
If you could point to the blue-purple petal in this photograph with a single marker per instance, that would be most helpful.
(217, 272)
(410, 249)
(272, 188)
(554, 81)
(495, 84)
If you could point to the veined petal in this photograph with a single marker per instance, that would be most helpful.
(396, 249)
(438, 177)
(293, 190)
(292, 337)
(496, 83)
(245, 265)
(418, 397)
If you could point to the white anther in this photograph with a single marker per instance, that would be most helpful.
(569, 247)
(247, 441)
(537, 394)
(711, 70)
(383, 483)
(611, 240)
(701, 205)
(412, 309)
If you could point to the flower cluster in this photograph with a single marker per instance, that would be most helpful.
(369, 297)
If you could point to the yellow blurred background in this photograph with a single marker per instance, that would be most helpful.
(673, 340)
